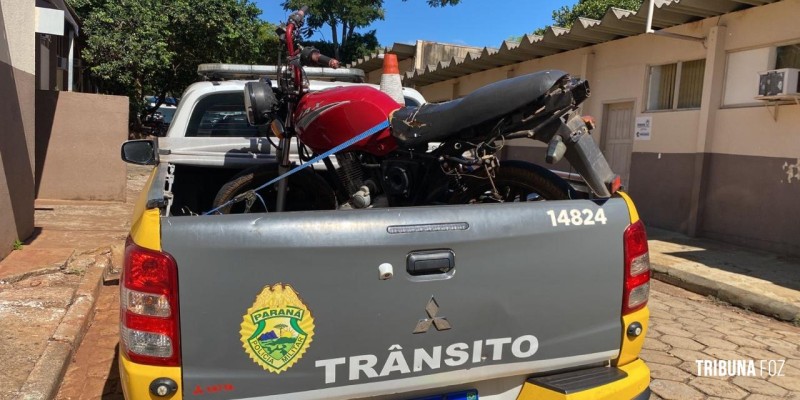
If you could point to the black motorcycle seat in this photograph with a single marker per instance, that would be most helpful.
(430, 122)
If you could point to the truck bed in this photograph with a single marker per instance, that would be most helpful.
(396, 302)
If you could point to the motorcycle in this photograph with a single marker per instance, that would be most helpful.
(444, 153)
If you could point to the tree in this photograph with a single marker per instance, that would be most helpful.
(359, 45)
(269, 42)
(142, 47)
(280, 328)
(344, 17)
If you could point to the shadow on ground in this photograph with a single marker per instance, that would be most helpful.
(113, 387)
(782, 271)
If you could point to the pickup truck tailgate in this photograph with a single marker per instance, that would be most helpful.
(294, 303)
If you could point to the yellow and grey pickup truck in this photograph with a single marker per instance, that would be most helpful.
(532, 300)
(326, 304)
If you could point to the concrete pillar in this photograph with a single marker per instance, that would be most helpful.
(713, 81)
(587, 65)
(17, 119)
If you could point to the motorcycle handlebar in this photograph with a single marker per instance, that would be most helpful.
(326, 61)
(312, 56)
(298, 16)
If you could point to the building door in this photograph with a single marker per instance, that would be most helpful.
(617, 137)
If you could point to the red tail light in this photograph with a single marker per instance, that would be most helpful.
(637, 268)
(149, 307)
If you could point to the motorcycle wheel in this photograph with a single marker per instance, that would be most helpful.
(305, 191)
(514, 184)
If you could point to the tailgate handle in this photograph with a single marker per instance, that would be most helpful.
(430, 262)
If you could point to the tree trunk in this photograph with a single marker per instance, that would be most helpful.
(351, 31)
(334, 38)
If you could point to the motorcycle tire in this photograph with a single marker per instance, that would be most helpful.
(514, 184)
(305, 191)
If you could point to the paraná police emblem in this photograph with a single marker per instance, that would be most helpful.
(277, 329)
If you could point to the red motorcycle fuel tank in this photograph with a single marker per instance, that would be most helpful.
(328, 118)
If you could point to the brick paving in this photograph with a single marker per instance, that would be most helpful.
(93, 373)
(684, 327)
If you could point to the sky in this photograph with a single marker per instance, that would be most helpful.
(472, 22)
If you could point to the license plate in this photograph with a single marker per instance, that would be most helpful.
(465, 395)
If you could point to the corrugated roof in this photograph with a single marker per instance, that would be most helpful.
(375, 60)
(615, 24)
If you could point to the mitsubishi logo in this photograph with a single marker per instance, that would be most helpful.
(441, 323)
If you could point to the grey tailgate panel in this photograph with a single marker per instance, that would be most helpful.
(516, 276)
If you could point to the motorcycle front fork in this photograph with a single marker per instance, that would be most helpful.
(284, 166)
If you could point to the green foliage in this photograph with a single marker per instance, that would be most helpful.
(344, 17)
(18, 245)
(142, 47)
(442, 3)
(269, 42)
(359, 45)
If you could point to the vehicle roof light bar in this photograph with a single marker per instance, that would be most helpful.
(219, 71)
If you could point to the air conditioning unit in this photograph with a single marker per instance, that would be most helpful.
(779, 82)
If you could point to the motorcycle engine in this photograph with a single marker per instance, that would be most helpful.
(351, 174)
(399, 180)
(362, 191)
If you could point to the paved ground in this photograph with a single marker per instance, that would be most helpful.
(93, 373)
(684, 327)
(30, 311)
(48, 288)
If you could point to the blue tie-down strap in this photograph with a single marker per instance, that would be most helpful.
(251, 194)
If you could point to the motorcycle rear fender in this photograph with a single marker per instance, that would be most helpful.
(584, 155)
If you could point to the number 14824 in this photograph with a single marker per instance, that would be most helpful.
(577, 217)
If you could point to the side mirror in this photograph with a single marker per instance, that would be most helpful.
(260, 102)
(141, 152)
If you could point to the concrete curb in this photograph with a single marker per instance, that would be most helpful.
(45, 378)
(737, 296)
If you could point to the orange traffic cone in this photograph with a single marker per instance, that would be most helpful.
(390, 79)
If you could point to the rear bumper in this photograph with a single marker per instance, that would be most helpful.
(630, 381)
(136, 379)
(634, 383)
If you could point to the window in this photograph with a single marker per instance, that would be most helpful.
(691, 84)
(167, 113)
(221, 115)
(743, 67)
(787, 56)
(676, 86)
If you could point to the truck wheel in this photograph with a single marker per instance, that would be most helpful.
(514, 184)
(306, 191)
